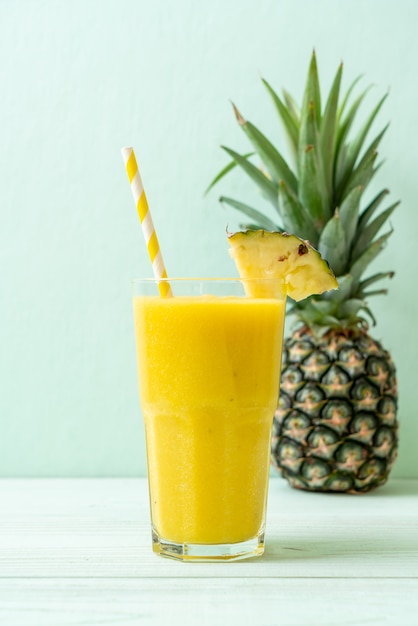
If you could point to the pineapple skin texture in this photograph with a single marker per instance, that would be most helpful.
(336, 429)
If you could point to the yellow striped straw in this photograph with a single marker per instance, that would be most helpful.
(145, 218)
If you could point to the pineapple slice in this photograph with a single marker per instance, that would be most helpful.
(299, 268)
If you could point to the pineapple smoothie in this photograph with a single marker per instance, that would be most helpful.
(209, 370)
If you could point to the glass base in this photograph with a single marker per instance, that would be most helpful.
(205, 552)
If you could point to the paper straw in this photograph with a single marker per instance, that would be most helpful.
(145, 218)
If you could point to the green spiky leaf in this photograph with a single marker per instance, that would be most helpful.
(349, 211)
(288, 118)
(270, 156)
(328, 130)
(375, 292)
(226, 171)
(367, 310)
(370, 231)
(324, 307)
(351, 307)
(370, 209)
(343, 292)
(373, 279)
(362, 175)
(308, 134)
(295, 217)
(260, 219)
(359, 266)
(266, 186)
(332, 245)
(292, 106)
(346, 123)
(345, 167)
(365, 170)
(312, 191)
(347, 96)
(312, 93)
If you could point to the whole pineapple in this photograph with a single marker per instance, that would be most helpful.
(335, 428)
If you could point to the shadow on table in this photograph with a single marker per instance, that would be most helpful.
(342, 548)
(404, 488)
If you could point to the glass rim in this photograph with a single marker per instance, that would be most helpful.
(265, 287)
(201, 279)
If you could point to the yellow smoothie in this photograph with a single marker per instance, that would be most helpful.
(209, 372)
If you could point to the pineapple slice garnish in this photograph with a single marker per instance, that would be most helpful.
(299, 268)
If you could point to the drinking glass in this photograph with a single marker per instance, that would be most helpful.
(209, 359)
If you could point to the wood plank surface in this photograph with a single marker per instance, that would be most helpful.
(78, 551)
(208, 602)
(100, 528)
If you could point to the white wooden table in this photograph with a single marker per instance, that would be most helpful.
(77, 552)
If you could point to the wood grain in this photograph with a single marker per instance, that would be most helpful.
(78, 552)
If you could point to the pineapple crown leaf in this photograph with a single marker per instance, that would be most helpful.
(374, 292)
(276, 166)
(231, 165)
(349, 211)
(371, 208)
(238, 115)
(320, 198)
(346, 163)
(313, 191)
(312, 95)
(347, 95)
(288, 117)
(294, 215)
(291, 104)
(351, 307)
(329, 127)
(266, 186)
(346, 123)
(363, 261)
(362, 174)
(258, 217)
(368, 233)
(318, 312)
(367, 310)
(372, 279)
(332, 244)
(345, 284)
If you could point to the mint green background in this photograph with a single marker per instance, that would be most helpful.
(81, 78)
